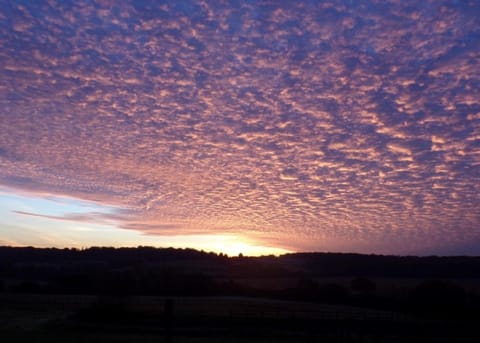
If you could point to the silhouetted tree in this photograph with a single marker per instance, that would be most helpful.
(28, 286)
(363, 285)
(306, 289)
(333, 293)
(439, 297)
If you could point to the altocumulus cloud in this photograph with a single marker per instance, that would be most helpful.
(324, 125)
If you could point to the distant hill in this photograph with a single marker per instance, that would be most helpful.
(388, 282)
(294, 264)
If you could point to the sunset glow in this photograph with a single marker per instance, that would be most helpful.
(256, 127)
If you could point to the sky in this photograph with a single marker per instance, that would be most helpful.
(258, 127)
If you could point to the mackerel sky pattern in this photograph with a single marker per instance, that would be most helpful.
(307, 125)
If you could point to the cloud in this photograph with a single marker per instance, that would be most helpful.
(323, 121)
(91, 217)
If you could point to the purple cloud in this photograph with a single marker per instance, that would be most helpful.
(347, 126)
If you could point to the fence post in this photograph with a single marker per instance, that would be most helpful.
(168, 310)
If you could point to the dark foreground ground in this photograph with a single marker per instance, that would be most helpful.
(76, 318)
(182, 295)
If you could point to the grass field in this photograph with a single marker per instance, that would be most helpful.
(76, 318)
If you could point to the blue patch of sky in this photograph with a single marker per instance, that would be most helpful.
(49, 205)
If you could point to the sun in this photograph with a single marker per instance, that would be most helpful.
(229, 244)
(234, 246)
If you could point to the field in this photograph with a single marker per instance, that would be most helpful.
(76, 318)
(174, 295)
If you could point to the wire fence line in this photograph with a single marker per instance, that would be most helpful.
(222, 307)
